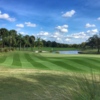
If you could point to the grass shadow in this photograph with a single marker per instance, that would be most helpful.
(45, 86)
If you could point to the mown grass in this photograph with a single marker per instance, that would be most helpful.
(16, 60)
(35, 63)
(2, 59)
(49, 61)
(47, 49)
(46, 76)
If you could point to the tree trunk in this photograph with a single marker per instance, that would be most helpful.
(19, 46)
(98, 49)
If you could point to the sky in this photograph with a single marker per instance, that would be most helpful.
(63, 21)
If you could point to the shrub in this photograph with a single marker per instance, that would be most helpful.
(51, 51)
(86, 88)
(57, 52)
(1, 49)
(12, 49)
(5, 50)
(40, 51)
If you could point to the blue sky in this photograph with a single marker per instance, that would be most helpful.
(64, 21)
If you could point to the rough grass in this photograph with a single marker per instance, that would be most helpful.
(25, 84)
(46, 76)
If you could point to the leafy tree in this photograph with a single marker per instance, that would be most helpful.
(27, 43)
(54, 44)
(19, 40)
(94, 41)
(3, 34)
(32, 41)
(12, 38)
(39, 43)
(48, 44)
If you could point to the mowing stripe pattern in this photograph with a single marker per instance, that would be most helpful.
(35, 63)
(48, 63)
(16, 60)
(25, 62)
(2, 59)
(38, 61)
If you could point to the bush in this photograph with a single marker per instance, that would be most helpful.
(12, 49)
(86, 88)
(51, 51)
(57, 52)
(5, 50)
(1, 49)
(40, 51)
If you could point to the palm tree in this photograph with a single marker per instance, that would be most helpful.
(31, 40)
(19, 40)
(3, 35)
(27, 43)
(12, 38)
(39, 43)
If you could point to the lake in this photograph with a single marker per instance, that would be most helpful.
(68, 52)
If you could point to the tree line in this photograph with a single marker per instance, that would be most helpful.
(93, 43)
(12, 39)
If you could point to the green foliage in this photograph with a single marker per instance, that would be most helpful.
(6, 50)
(1, 50)
(94, 42)
(40, 51)
(51, 51)
(12, 49)
(86, 88)
(56, 51)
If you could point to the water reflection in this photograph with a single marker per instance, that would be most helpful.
(68, 52)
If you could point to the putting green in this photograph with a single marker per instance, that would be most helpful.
(49, 61)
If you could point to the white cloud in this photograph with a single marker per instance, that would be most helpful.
(44, 38)
(65, 26)
(42, 33)
(69, 13)
(93, 31)
(98, 18)
(67, 39)
(79, 35)
(20, 25)
(62, 29)
(58, 39)
(23, 33)
(29, 24)
(90, 25)
(6, 17)
(56, 35)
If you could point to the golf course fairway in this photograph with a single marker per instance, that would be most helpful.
(47, 76)
(49, 61)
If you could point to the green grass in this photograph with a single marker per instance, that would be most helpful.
(89, 51)
(47, 85)
(16, 60)
(49, 61)
(48, 49)
(47, 76)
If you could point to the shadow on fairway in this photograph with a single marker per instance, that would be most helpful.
(48, 87)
